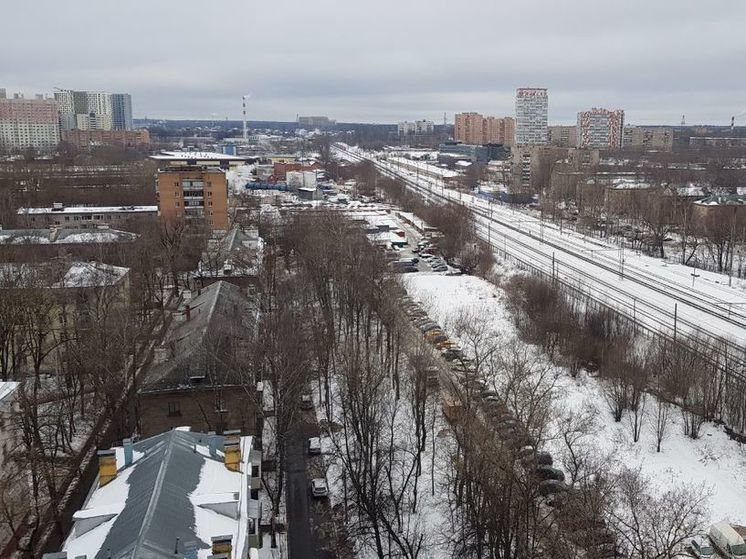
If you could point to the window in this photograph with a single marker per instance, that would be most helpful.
(176, 194)
(209, 192)
(177, 203)
(174, 409)
(209, 203)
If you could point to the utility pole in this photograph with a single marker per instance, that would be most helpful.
(675, 319)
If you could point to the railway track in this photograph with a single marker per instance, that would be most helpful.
(683, 319)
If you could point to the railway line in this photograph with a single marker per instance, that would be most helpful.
(657, 302)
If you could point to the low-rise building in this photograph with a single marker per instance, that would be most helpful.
(175, 494)
(8, 408)
(85, 217)
(95, 137)
(234, 257)
(200, 376)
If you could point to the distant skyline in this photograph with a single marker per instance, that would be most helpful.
(386, 60)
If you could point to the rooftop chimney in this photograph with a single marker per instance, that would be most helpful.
(232, 450)
(128, 452)
(222, 544)
(212, 442)
(107, 466)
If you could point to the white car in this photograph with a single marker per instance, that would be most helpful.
(319, 489)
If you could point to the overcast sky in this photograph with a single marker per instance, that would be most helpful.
(385, 60)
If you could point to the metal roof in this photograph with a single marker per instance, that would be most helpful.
(157, 517)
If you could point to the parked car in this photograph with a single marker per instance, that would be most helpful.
(702, 547)
(548, 472)
(551, 487)
(727, 540)
(319, 488)
(306, 402)
(314, 445)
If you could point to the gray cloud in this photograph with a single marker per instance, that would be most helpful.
(384, 60)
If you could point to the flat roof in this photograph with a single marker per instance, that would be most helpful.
(88, 210)
(197, 155)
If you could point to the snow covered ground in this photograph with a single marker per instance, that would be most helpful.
(654, 292)
(713, 460)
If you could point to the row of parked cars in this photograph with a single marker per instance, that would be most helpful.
(430, 329)
(536, 463)
(429, 254)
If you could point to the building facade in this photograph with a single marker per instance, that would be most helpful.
(84, 217)
(474, 128)
(28, 123)
(94, 110)
(600, 128)
(531, 116)
(416, 128)
(644, 138)
(84, 138)
(563, 136)
(121, 111)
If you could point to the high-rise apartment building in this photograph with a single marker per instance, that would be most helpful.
(600, 128)
(648, 138)
(416, 128)
(94, 110)
(28, 123)
(563, 136)
(473, 128)
(531, 116)
(121, 111)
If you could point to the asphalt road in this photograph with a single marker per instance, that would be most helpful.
(303, 543)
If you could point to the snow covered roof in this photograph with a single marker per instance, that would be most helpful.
(172, 495)
(64, 236)
(723, 200)
(88, 210)
(217, 312)
(195, 155)
(6, 389)
(92, 274)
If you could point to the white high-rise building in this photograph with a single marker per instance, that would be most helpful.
(531, 116)
(84, 110)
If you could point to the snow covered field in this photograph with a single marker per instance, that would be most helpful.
(713, 460)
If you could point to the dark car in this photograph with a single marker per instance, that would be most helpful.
(548, 472)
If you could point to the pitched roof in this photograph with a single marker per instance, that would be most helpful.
(209, 323)
(162, 501)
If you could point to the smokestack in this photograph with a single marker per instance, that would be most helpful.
(732, 123)
(107, 466)
(245, 132)
(222, 544)
(128, 452)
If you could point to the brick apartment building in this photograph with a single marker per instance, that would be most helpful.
(474, 128)
(193, 186)
(84, 138)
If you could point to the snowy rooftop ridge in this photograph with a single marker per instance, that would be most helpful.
(173, 495)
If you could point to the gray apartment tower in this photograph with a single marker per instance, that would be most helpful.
(121, 111)
(531, 112)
